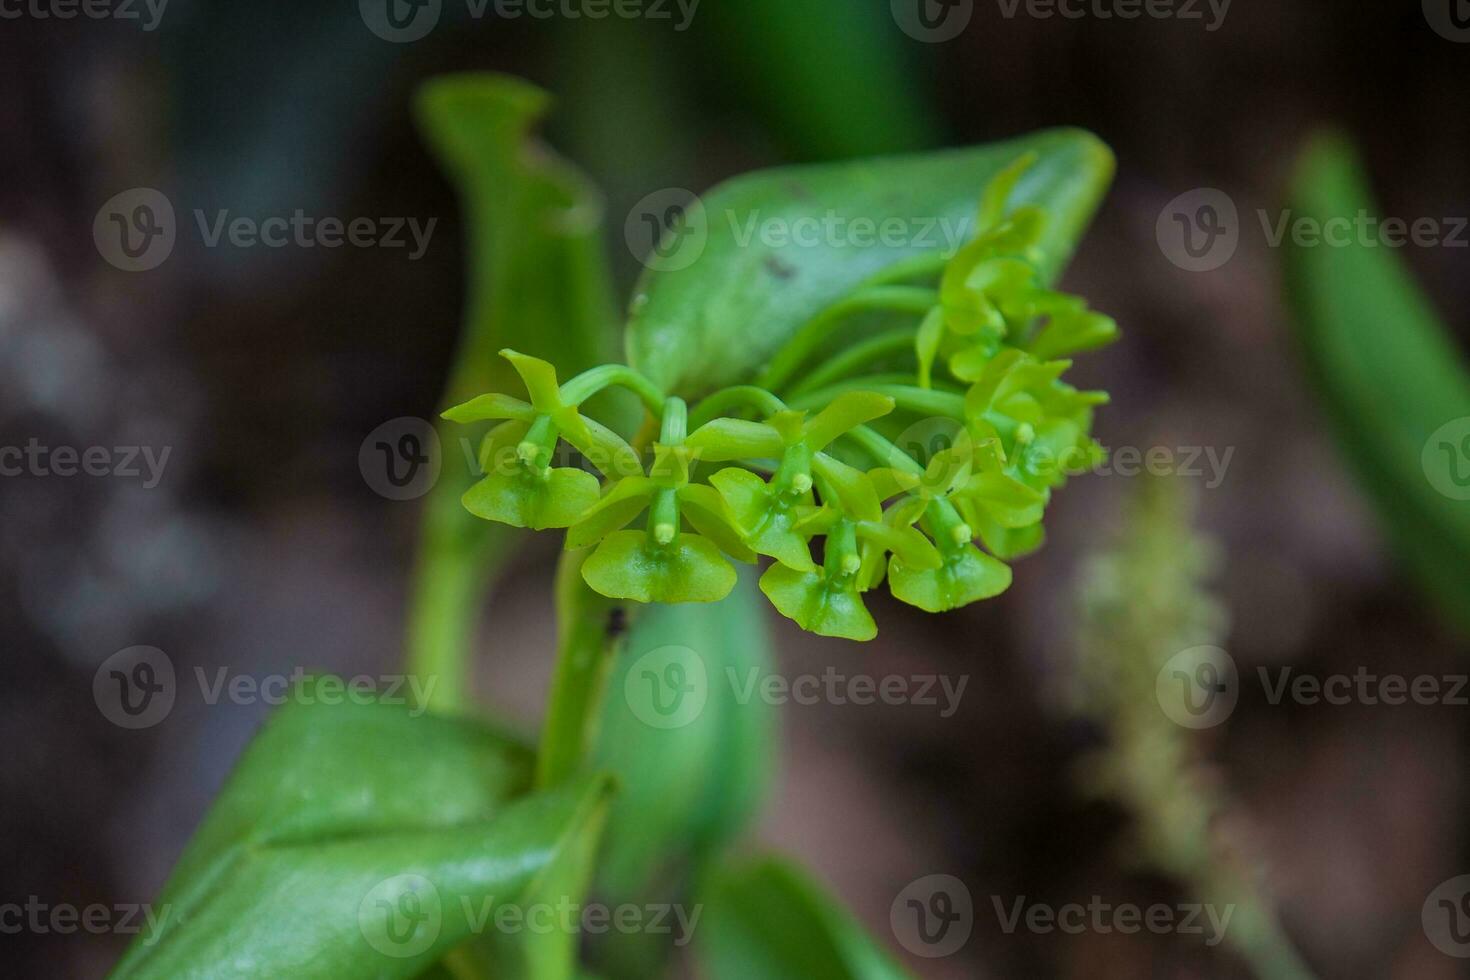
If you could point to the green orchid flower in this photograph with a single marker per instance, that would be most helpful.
(521, 487)
(768, 512)
(827, 600)
(663, 562)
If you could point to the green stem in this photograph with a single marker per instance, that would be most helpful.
(591, 381)
(892, 299)
(675, 424)
(926, 401)
(741, 396)
(860, 355)
(883, 452)
(586, 648)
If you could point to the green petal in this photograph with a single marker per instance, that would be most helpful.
(607, 451)
(523, 499)
(1074, 333)
(498, 448)
(618, 505)
(1007, 543)
(492, 406)
(724, 440)
(817, 606)
(847, 412)
(540, 379)
(708, 514)
(904, 541)
(855, 491)
(999, 189)
(767, 528)
(1009, 502)
(966, 575)
(627, 565)
(926, 344)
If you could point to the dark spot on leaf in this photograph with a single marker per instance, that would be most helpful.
(778, 268)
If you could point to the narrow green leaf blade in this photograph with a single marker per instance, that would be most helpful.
(1388, 374)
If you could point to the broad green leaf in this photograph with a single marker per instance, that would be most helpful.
(355, 839)
(720, 317)
(688, 784)
(769, 921)
(1389, 376)
(536, 281)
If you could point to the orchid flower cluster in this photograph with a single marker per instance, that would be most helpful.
(747, 472)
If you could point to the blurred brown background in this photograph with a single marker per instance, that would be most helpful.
(262, 548)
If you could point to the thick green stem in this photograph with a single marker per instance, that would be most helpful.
(588, 637)
(893, 299)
